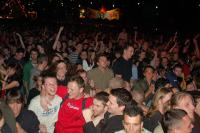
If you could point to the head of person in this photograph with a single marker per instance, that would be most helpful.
(38, 81)
(116, 82)
(138, 96)
(84, 55)
(14, 69)
(19, 53)
(176, 121)
(15, 101)
(177, 70)
(34, 54)
(161, 101)
(99, 103)
(79, 47)
(133, 119)
(83, 75)
(42, 61)
(49, 83)
(75, 87)
(164, 61)
(128, 51)
(149, 72)
(61, 68)
(161, 83)
(102, 60)
(118, 99)
(184, 101)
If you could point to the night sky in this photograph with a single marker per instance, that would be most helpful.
(184, 13)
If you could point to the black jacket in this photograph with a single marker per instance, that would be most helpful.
(108, 125)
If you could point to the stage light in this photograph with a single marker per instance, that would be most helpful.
(156, 7)
(91, 2)
(113, 5)
(79, 5)
(138, 3)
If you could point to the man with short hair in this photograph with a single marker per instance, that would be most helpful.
(123, 66)
(133, 121)
(70, 117)
(42, 63)
(184, 101)
(99, 108)
(177, 121)
(112, 122)
(101, 75)
(28, 67)
(17, 58)
(47, 104)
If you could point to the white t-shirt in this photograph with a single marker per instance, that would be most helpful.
(47, 118)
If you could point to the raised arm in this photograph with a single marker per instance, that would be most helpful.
(21, 41)
(57, 37)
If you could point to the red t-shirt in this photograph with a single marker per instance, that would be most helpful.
(62, 91)
(70, 117)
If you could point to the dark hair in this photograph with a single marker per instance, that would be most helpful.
(148, 66)
(176, 66)
(127, 46)
(34, 50)
(171, 119)
(41, 59)
(14, 96)
(102, 96)
(46, 74)
(160, 83)
(124, 97)
(78, 79)
(101, 55)
(20, 50)
(133, 111)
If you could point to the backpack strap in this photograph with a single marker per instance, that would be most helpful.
(84, 103)
(64, 99)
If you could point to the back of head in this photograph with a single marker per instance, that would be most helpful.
(172, 119)
(124, 97)
(116, 82)
(14, 96)
(133, 111)
(102, 96)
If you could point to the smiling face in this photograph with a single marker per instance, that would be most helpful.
(75, 92)
(50, 86)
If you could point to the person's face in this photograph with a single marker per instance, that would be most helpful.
(34, 55)
(98, 108)
(142, 55)
(113, 107)
(16, 108)
(39, 82)
(84, 55)
(166, 101)
(44, 64)
(61, 69)
(129, 52)
(149, 73)
(178, 71)
(50, 86)
(84, 76)
(132, 124)
(75, 92)
(187, 105)
(19, 56)
(164, 62)
(103, 62)
(185, 126)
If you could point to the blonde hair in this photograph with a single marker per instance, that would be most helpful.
(160, 93)
(179, 96)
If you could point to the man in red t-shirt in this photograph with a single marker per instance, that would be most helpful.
(70, 117)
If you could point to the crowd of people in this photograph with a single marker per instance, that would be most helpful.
(79, 80)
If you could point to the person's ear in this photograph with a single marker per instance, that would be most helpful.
(81, 90)
(122, 108)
